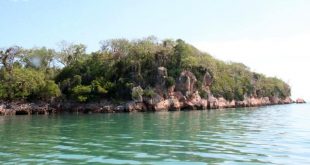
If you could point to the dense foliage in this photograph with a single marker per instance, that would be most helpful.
(122, 70)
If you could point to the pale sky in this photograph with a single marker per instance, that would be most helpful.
(270, 36)
(283, 57)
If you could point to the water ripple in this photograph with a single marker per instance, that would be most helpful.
(266, 135)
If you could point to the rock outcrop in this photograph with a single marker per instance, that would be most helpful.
(287, 100)
(18, 108)
(195, 102)
(161, 80)
(186, 83)
(167, 104)
(300, 101)
(181, 96)
(207, 81)
(135, 106)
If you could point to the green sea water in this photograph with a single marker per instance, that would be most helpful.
(264, 135)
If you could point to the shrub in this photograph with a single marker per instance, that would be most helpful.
(49, 91)
(81, 93)
(170, 82)
(137, 93)
(149, 92)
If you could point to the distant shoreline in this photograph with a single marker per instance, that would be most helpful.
(22, 108)
(129, 75)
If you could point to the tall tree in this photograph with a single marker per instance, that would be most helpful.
(70, 52)
(8, 58)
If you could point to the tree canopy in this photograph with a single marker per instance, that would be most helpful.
(119, 67)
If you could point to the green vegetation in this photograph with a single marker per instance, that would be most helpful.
(122, 70)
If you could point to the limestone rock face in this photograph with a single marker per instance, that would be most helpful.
(2, 109)
(213, 103)
(274, 100)
(222, 103)
(119, 108)
(186, 83)
(178, 95)
(162, 105)
(162, 74)
(253, 102)
(300, 101)
(160, 85)
(195, 102)
(231, 104)
(170, 91)
(175, 105)
(241, 103)
(207, 79)
(153, 100)
(135, 106)
(195, 98)
(168, 104)
(107, 109)
(266, 101)
(20, 108)
(287, 100)
(204, 104)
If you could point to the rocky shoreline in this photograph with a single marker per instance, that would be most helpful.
(171, 104)
(23, 108)
(183, 95)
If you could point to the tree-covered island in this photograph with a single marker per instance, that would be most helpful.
(124, 76)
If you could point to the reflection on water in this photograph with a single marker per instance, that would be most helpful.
(267, 135)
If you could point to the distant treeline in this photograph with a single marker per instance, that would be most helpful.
(120, 65)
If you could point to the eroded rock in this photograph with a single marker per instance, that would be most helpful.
(186, 83)
(167, 104)
(300, 101)
(135, 106)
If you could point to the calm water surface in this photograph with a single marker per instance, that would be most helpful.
(267, 135)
